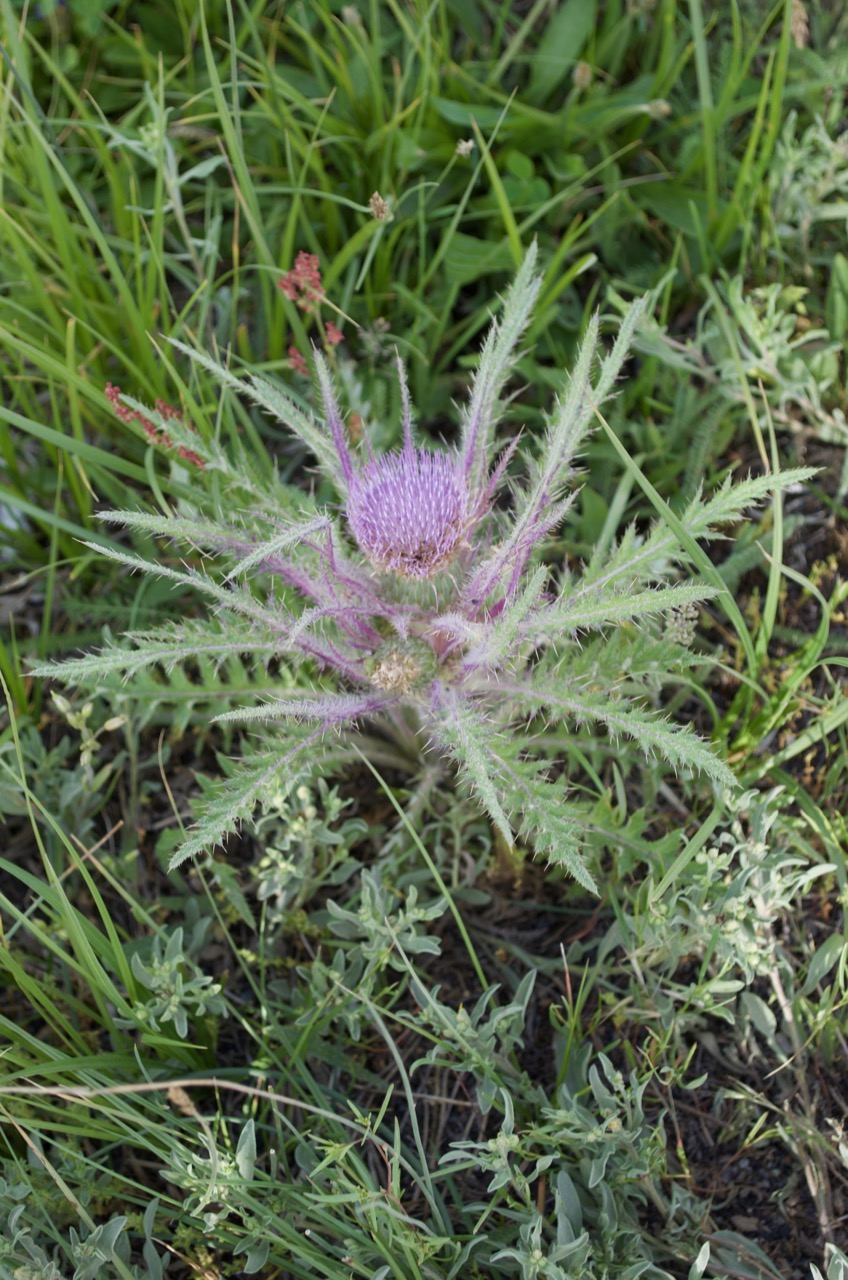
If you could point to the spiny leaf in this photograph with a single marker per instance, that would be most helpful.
(235, 798)
(496, 360)
(289, 538)
(592, 608)
(611, 365)
(167, 647)
(181, 434)
(331, 709)
(676, 743)
(545, 816)
(275, 402)
(643, 560)
(541, 508)
(552, 826)
(467, 736)
(342, 467)
(507, 785)
(201, 533)
(499, 642)
(234, 598)
(574, 409)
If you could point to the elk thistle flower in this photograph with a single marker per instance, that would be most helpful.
(423, 609)
(408, 511)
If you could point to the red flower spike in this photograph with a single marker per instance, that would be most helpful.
(302, 284)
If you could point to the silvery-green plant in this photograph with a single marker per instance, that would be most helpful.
(808, 182)
(420, 606)
(305, 844)
(179, 990)
(753, 347)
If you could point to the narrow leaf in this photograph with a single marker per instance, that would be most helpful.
(466, 736)
(234, 799)
(201, 533)
(593, 608)
(289, 538)
(167, 647)
(332, 709)
(513, 791)
(499, 643)
(275, 402)
(676, 743)
(496, 360)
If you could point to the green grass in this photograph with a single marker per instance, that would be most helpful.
(371, 1040)
(178, 205)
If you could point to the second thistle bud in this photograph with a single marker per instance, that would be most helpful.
(399, 666)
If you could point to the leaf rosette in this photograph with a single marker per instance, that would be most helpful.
(423, 612)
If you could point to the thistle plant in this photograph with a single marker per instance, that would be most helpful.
(421, 613)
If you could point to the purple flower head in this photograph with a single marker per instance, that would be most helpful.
(408, 511)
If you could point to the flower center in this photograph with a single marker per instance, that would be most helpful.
(396, 672)
(408, 511)
(401, 666)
